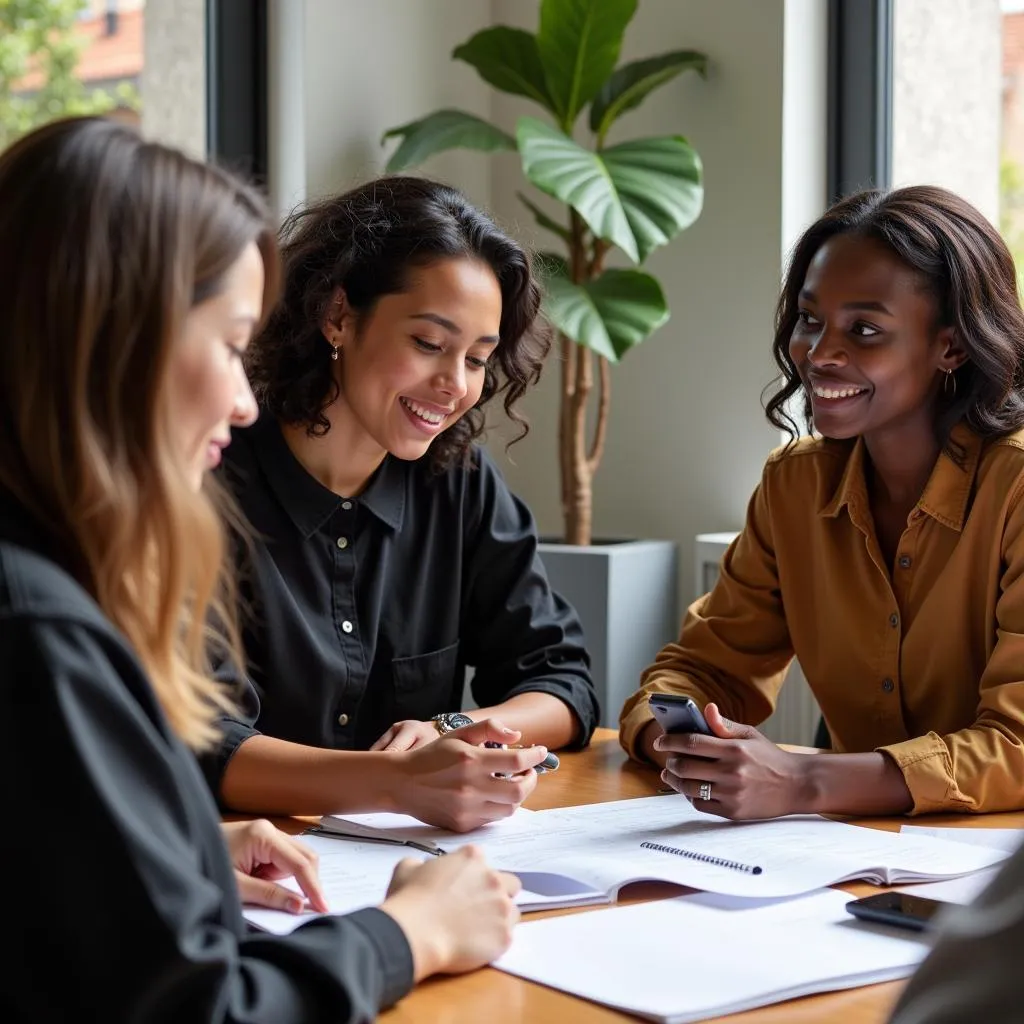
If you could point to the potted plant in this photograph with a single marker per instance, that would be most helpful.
(621, 200)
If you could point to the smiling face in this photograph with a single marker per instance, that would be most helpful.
(867, 343)
(209, 392)
(414, 365)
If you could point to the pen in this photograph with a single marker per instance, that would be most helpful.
(425, 846)
(549, 764)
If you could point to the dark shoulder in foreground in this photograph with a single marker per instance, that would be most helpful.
(33, 586)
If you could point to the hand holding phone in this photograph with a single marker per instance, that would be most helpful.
(677, 714)
(898, 908)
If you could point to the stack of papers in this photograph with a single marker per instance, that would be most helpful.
(691, 958)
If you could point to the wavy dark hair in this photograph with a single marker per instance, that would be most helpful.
(964, 265)
(367, 241)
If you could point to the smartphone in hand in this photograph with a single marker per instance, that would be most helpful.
(675, 713)
(898, 908)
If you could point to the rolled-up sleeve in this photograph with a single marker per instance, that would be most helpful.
(981, 768)
(234, 729)
(522, 637)
(734, 646)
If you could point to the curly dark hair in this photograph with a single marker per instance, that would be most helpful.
(367, 241)
(965, 266)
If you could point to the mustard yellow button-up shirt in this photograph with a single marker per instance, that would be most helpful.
(923, 660)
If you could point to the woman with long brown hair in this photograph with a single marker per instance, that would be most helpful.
(131, 279)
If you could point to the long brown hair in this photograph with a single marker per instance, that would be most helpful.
(106, 242)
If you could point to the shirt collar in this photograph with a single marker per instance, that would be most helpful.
(945, 495)
(385, 494)
(307, 502)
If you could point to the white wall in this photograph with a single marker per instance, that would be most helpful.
(375, 64)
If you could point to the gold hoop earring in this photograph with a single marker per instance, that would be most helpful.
(949, 392)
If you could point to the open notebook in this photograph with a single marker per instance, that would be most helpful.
(608, 845)
(696, 957)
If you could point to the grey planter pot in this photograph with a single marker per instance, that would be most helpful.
(626, 596)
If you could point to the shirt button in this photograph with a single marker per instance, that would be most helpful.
(904, 561)
(342, 719)
(894, 620)
(886, 685)
(343, 543)
(347, 627)
(346, 505)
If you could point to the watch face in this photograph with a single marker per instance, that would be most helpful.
(451, 720)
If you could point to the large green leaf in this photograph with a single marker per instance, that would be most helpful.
(638, 195)
(608, 315)
(630, 85)
(444, 129)
(508, 59)
(659, 182)
(579, 43)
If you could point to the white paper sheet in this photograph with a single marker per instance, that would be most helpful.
(954, 890)
(356, 875)
(681, 960)
(1007, 839)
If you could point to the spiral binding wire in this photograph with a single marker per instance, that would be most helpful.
(708, 858)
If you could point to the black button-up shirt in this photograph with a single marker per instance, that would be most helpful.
(362, 612)
(135, 895)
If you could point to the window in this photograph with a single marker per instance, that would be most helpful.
(62, 57)
(1011, 156)
(141, 60)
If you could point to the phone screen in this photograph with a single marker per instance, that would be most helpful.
(676, 713)
(899, 908)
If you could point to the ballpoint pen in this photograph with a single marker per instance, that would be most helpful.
(549, 764)
(356, 833)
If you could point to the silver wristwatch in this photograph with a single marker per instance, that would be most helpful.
(448, 720)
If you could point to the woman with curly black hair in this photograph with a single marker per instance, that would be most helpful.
(887, 551)
(390, 554)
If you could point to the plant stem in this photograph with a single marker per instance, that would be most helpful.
(603, 406)
(576, 480)
(596, 267)
(568, 353)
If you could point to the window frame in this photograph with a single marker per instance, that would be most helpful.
(236, 86)
(860, 95)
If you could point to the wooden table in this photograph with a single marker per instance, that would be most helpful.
(599, 773)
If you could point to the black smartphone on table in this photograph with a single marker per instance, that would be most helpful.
(898, 908)
(675, 714)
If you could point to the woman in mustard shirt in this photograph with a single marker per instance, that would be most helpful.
(885, 552)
